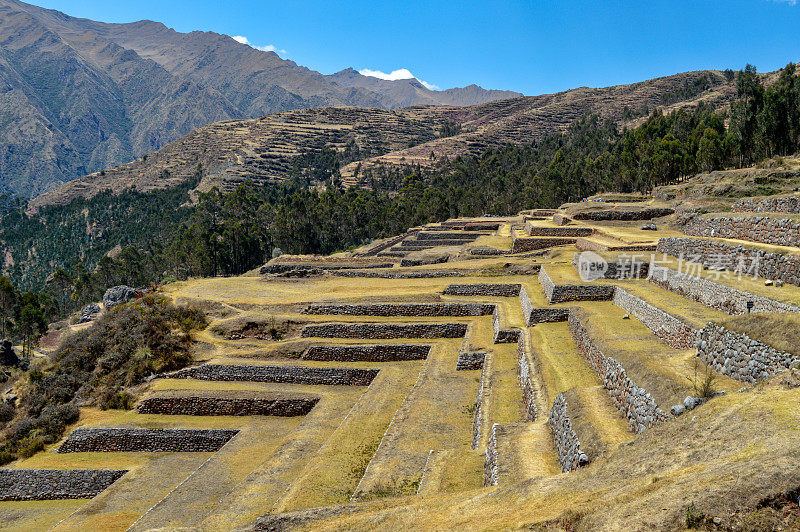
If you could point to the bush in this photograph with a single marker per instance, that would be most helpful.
(132, 341)
(6, 412)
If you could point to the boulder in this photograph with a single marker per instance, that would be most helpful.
(649, 227)
(89, 312)
(118, 295)
(677, 410)
(692, 402)
(7, 355)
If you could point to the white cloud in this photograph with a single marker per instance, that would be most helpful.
(268, 48)
(394, 75)
(790, 2)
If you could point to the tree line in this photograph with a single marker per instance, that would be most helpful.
(70, 254)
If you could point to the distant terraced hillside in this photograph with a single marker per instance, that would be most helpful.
(264, 149)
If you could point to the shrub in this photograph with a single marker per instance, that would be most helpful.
(132, 341)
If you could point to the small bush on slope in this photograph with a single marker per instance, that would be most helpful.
(123, 347)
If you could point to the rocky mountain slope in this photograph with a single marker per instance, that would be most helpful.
(265, 149)
(79, 96)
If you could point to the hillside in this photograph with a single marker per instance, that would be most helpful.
(463, 375)
(265, 149)
(79, 96)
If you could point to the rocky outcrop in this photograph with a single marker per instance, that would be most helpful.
(89, 313)
(495, 290)
(53, 484)
(382, 331)
(568, 446)
(715, 295)
(740, 259)
(106, 440)
(118, 295)
(405, 309)
(667, 327)
(367, 353)
(740, 357)
(282, 374)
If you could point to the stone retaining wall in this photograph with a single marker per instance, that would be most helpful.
(537, 230)
(525, 302)
(405, 309)
(739, 356)
(611, 214)
(280, 374)
(389, 243)
(496, 290)
(442, 235)
(408, 244)
(778, 232)
(667, 327)
(477, 421)
(424, 261)
(490, 466)
(470, 361)
(790, 204)
(371, 331)
(560, 219)
(725, 256)
(521, 245)
(525, 377)
(102, 440)
(573, 292)
(567, 443)
(636, 405)
(429, 274)
(503, 336)
(367, 353)
(53, 484)
(284, 267)
(228, 406)
(548, 315)
(619, 269)
(715, 295)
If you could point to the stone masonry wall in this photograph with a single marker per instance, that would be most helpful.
(520, 245)
(574, 232)
(441, 235)
(644, 214)
(548, 315)
(496, 290)
(561, 293)
(739, 356)
(477, 422)
(385, 330)
(490, 466)
(525, 302)
(52, 484)
(228, 406)
(281, 374)
(715, 295)
(667, 327)
(750, 260)
(790, 204)
(567, 443)
(470, 361)
(778, 232)
(405, 309)
(525, 376)
(503, 336)
(636, 405)
(367, 353)
(560, 219)
(145, 440)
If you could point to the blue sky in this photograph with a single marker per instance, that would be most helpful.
(531, 47)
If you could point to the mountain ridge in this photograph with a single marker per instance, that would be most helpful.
(81, 95)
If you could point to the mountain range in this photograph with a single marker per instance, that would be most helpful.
(78, 96)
